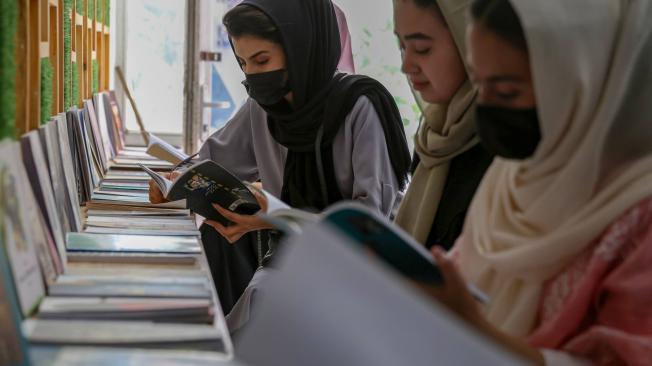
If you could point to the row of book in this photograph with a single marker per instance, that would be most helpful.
(91, 271)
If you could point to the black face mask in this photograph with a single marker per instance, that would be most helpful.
(508, 133)
(267, 88)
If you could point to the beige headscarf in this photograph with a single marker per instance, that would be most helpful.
(593, 80)
(446, 131)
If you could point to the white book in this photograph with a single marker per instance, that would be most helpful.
(346, 308)
(140, 223)
(108, 308)
(133, 231)
(135, 334)
(84, 356)
(161, 149)
(163, 276)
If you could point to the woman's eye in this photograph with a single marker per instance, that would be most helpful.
(509, 96)
(424, 51)
(264, 62)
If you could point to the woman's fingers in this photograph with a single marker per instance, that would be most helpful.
(234, 217)
(256, 189)
(230, 233)
(452, 277)
(155, 195)
(262, 200)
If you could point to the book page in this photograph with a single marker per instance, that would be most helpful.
(347, 309)
(164, 184)
(273, 203)
(164, 151)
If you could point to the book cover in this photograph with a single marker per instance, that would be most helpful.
(48, 255)
(105, 128)
(39, 178)
(13, 346)
(114, 117)
(205, 183)
(49, 136)
(81, 156)
(16, 236)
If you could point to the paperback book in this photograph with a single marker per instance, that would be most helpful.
(205, 183)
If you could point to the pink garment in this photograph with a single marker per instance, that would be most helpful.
(346, 60)
(600, 307)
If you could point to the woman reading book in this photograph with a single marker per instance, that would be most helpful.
(559, 234)
(450, 161)
(310, 134)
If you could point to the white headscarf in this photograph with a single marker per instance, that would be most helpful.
(592, 71)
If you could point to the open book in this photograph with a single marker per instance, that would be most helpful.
(205, 183)
(164, 151)
(336, 305)
(371, 232)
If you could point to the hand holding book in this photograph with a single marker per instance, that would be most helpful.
(203, 184)
(453, 291)
(242, 224)
(155, 194)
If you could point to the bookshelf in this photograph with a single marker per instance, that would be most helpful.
(55, 71)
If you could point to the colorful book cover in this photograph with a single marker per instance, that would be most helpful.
(13, 346)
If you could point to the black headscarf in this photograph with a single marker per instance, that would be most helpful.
(321, 101)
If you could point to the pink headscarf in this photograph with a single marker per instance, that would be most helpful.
(346, 61)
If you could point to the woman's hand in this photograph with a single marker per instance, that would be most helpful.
(242, 224)
(155, 194)
(455, 295)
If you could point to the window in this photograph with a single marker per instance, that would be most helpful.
(376, 54)
(153, 63)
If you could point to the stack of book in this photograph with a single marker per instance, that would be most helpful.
(89, 267)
